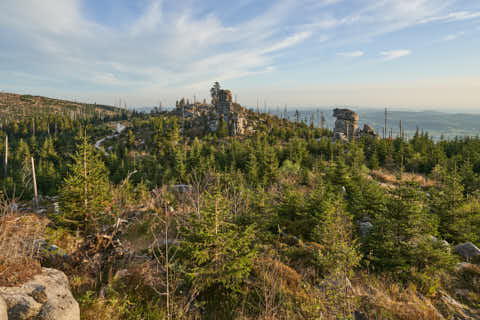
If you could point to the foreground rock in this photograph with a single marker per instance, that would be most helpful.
(46, 297)
(468, 251)
(3, 309)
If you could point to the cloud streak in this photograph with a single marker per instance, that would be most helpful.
(351, 54)
(454, 16)
(453, 36)
(394, 54)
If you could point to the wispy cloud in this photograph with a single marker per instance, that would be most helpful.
(453, 36)
(351, 54)
(150, 19)
(394, 54)
(289, 42)
(176, 45)
(454, 16)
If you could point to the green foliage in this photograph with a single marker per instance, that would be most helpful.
(84, 197)
(217, 254)
(465, 222)
(339, 254)
(446, 197)
(403, 241)
(222, 131)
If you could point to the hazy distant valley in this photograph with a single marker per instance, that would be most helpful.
(435, 123)
(450, 125)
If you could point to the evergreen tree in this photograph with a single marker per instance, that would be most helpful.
(402, 240)
(445, 198)
(374, 163)
(465, 223)
(222, 131)
(337, 257)
(84, 197)
(252, 167)
(470, 179)
(270, 165)
(215, 92)
(217, 254)
(180, 168)
(131, 139)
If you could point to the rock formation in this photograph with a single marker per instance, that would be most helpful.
(212, 115)
(232, 114)
(346, 126)
(224, 105)
(46, 297)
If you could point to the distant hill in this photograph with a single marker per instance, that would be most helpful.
(450, 125)
(16, 106)
(435, 123)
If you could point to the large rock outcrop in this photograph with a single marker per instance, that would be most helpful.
(212, 115)
(346, 126)
(46, 297)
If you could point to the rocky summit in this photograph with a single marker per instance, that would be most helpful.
(221, 113)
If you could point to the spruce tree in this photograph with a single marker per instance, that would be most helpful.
(374, 163)
(222, 131)
(217, 254)
(403, 238)
(84, 197)
(252, 168)
(446, 197)
(337, 256)
(270, 165)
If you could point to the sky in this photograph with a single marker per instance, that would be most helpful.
(414, 54)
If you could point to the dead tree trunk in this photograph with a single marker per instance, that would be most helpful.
(34, 183)
(6, 156)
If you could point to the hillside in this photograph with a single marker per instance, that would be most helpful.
(212, 211)
(17, 106)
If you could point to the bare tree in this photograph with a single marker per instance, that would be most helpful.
(199, 184)
(165, 232)
(237, 198)
(270, 287)
(6, 156)
(34, 183)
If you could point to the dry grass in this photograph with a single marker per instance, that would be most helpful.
(13, 274)
(19, 247)
(383, 299)
(390, 178)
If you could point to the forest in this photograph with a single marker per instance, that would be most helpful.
(163, 220)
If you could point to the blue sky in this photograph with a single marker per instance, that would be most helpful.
(365, 53)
